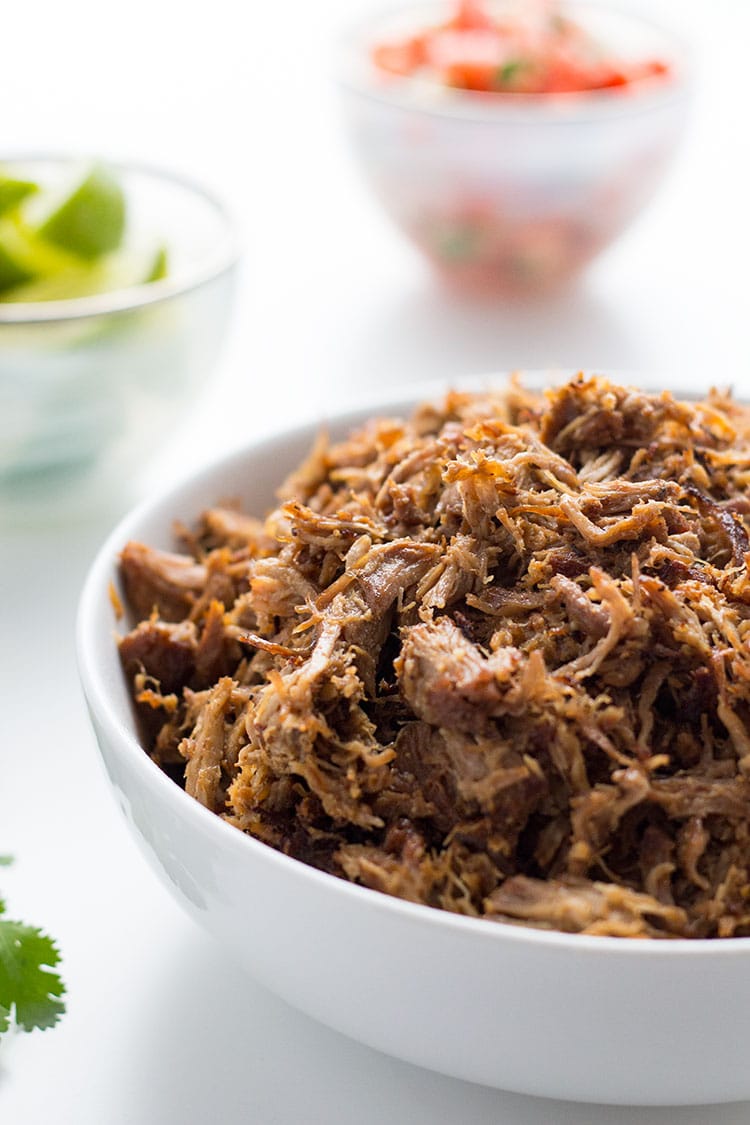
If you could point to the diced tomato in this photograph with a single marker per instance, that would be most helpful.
(614, 78)
(653, 68)
(471, 16)
(400, 58)
(542, 52)
(470, 76)
(446, 49)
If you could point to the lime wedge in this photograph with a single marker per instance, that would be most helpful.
(159, 266)
(13, 191)
(117, 271)
(91, 221)
(24, 257)
(12, 271)
(80, 282)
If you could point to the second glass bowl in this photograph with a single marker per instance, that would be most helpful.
(91, 386)
(514, 192)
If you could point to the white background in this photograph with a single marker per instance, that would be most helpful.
(161, 1028)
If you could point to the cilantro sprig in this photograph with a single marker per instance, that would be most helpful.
(30, 992)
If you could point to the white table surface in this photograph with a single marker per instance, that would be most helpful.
(161, 1028)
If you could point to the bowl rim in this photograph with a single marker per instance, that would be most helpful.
(564, 109)
(94, 594)
(223, 257)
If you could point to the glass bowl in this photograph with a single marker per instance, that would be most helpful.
(88, 384)
(514, 192)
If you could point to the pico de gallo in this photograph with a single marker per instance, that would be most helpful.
(530, 48)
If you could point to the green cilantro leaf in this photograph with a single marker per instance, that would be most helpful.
(27, 987)
(6, 860)
(509, 73)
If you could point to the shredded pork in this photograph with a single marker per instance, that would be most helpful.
(494, 659)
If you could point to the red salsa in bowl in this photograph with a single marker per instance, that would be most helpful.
(535, 48)
(513, 140)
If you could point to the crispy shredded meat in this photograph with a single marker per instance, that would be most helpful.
(493, 659)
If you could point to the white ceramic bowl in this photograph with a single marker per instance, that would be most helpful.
(512, 192)
(566, 1016)
(88, 386)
